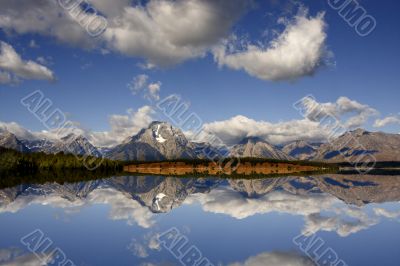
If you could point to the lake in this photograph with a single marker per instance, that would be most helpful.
(328, 219)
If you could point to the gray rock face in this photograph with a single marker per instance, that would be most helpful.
(205, 150)
(137, 151)
(10, 141)
(359, 145)
(301, 150)
(73, 144)
(38, 145)
(258, 148)
(157, 142)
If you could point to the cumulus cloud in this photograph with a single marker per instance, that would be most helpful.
(300, 50)
(123, 126)
(111, 8)
(276, 258)
(141, 248)
(17, 257)
(230, 202)
(17, 130)
(147, 30)
(141, 83)
(138, 83)
(12, 63)
(233, 130)
(138, 249)
(393, 119)
(349, 113)
(123, 207)
(386, 213)
(153, 31)
(153, 91)
(43, 17)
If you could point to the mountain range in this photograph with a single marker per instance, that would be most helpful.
(161, 141)
(161, 195)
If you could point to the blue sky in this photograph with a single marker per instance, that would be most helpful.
(91, 85)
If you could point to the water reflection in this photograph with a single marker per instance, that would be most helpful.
(341, 204)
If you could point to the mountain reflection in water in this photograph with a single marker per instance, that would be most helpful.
(218, 215)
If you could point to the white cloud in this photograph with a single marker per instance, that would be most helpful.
(153, 31)
(147, 30)
(300, 50)
(276, 258)
(17, 257)
(350, 113)
(17, 130)
(153, 91)
(393, 119)
(386, 213)
(138, 83)
(111, 8)
(123, 126)
(12, 62)
(138, 249)
(141, 82)
(233, 130)
(122, 206)
(141, 248)
(43, 17)
(230, 202)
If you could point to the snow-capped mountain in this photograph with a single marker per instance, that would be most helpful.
(74, 144)
(157, 142)
(161, 141)
(38, 145)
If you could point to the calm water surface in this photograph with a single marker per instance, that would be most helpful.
(349, 219)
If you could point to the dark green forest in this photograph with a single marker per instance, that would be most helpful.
(17, 162)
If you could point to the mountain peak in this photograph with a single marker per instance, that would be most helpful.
(359, 131)
(257, 147)
(158, 123)
(9, 140)
(160, 139)
(73, 137)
